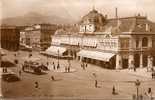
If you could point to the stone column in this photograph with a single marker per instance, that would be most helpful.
(150, 62)
(131, 61)
(149, 42)
(140, 42)
(141, 61)
(118, 62)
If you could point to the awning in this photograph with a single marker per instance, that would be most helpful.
(96, 55)
(55, 50)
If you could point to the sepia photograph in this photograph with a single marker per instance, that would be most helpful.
(77, 50)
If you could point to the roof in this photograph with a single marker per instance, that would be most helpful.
(68, 30)
(127, 24)
(94, 17)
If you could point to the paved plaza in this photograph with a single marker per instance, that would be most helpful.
(77, 84)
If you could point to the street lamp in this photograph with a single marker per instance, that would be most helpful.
(137, 84)
(58, 59)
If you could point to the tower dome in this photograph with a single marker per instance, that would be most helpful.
(93, 17)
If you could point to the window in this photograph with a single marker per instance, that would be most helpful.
(137, 43)
(124, 43)
(145, 42)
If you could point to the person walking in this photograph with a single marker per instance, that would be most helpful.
(134, 69)
(20, 72)
(96, 84)
(53, 66)
(113, 90)
(58, 66)
(86, 65)
(68, 69)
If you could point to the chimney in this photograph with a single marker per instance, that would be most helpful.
(116, 16)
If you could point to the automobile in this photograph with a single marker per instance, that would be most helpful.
(32, 67)
(10, 77)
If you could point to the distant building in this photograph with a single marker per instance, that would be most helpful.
(37, 36)
(10, 37)
(112, 43)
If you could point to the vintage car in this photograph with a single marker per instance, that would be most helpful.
(10, 77)
(32, 67)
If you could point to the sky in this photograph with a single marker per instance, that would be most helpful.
(77, 8)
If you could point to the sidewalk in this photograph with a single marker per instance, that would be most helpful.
(139, 72)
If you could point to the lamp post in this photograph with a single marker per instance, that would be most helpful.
(58, 59)
(137, 84)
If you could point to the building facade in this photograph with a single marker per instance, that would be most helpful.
(10, 37)
(112, 43)
(37, 36)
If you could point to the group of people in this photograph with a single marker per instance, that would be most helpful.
(56, 67)
(5, 70)
(67, 69)
(84, 65)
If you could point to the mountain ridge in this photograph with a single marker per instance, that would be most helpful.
(37, 18)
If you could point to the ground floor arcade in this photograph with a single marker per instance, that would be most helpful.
(122, 60)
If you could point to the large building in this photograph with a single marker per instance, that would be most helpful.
(112, 43)
(37, 36)
(10, 37)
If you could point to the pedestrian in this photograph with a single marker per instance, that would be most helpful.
(47, 63)
(3, 70)
(6, 70)
(68, 69)
(134, 69)
(53, 66)
(86, 65)
(113, 90)
(96, 84)
(20, 72)
(36, 84)
(58, 66)
(52, 77)
(152, 74)
(82, 65)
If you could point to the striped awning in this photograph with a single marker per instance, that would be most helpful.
(55, 50)
(96, 55)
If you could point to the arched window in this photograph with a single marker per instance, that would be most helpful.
(145, 42)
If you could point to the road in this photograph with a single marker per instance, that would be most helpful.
(79, 84)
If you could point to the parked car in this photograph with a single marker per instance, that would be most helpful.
(10, 77)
